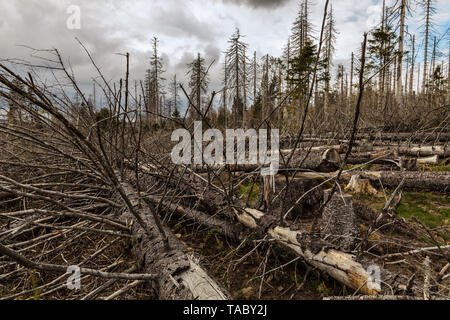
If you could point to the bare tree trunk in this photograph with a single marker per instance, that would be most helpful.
(418, 78)
(254, 79)
(244, 83)
(351, 75)
(425, 59)
(411, 78)
(448, 76)
(400, 48)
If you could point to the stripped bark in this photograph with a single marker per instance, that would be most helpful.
(417, 151)
(343, 267)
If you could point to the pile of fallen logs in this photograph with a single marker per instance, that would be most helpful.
(101, 194)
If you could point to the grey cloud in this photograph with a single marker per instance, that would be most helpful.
(259, 3)
(183, 28)
(212, 52)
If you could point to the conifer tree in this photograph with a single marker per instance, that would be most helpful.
(236, 61)
(198, 83)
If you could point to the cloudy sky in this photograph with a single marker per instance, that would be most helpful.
(184, 27)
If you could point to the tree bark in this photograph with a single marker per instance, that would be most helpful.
(338, 223)
(179, 275)
(417, 151)
(434, 181)
(318, 160)
(422, 180)
(342, 266)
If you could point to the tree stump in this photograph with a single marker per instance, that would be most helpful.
(408, 164)
(304, 188)
(358, 185)
(338, 224)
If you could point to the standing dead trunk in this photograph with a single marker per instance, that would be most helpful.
(338, 224)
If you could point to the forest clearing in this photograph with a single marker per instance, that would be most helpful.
(305, 179)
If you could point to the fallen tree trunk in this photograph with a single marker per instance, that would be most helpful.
(428, 180)
(386, 136)
(374, 157)
(416, 151)
(179, 275)
(342, 266)
(423, 180)
(226, 229)
(386, 157)
(428, 160)
(319, 159)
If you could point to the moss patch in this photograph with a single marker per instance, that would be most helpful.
(244, 191)
(431, 209)
(434, 167)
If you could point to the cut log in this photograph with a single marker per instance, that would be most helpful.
(417, 151)
(338, 223)
(327, 160)
(344, 267)
(374, 157)
(428, 160)
(428, 180)
(320, 160)
(359, 185)
(180, 277)
(384, 157)
(386, 136)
